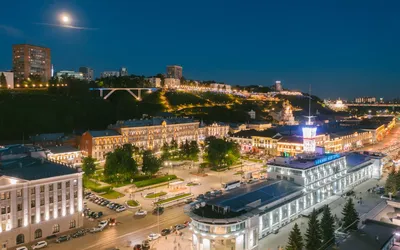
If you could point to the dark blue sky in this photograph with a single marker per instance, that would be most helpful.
(344, 48)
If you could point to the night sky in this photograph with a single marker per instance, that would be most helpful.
(344, 48)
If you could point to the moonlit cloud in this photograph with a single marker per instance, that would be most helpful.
(66, 26)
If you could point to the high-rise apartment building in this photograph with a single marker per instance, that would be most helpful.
(123, 72)
(106, 74)
(88, 73)
(31, 60)
(174, 71)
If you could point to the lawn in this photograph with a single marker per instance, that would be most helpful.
(172, 199)
(154, 181)
(156, 195)
(87, 183)
(132, 203)
(112, 195)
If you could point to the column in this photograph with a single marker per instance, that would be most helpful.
(13, 205)
(63, 199)
(26, 205)
(80, 203)
(37, 203)
(206, 244)
(71, 197)
(46, 203)
(239, 242)
(280, 216)
(270, 220)
(55, 201)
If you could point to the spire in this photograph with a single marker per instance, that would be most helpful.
(309, 122)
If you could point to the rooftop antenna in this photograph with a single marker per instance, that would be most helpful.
(309, 122)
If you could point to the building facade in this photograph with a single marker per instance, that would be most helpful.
(155, 82)
(8, 78)
(123, 71)
(88, 73)
(367, 99)
(98, 143)
(38, 199)
(69, 73)
(106, 74)
(172, 83)
(31, 60)
(174, 71)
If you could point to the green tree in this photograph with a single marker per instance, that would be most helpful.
(295, 239)
(391, 183)
(221, 153)
(327, 227)
(89, 166)
(165, 154)
(313, 234)
(194, 151)
(184, 150)
(174, 149)
(151, 164)
(3, 80)
(120, 166)
(350, 216)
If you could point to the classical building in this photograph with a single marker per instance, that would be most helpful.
(38, 198)
(147, 134)
(64, 154)
(31, 60)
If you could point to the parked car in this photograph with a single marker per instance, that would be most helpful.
(153, 236)
(51, 237)
(218, 192)
(39, 245)
(110, 204)
(78, 233)
(21, 248)
(179, 226)
(200, 197)
(116, 206)
(96, 229)
(145, 245)
(104, 203)
(165, 231)
(103, 223)
(97, 215)
(121, 209)
(141, 212)
(63, 238)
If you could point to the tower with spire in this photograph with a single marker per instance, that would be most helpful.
(309, 131)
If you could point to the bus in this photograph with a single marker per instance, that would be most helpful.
(230, 185)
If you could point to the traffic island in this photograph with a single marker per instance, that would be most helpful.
(132, 204)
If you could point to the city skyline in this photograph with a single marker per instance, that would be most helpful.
(338, 48)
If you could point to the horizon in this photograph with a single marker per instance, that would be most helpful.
(342, 49)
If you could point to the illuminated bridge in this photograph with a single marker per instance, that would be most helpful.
(131, 91)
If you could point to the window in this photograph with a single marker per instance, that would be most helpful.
(278, 177)
(19, 193)
(7, 195)
(33, 190)
(33, 219)
(20, 239)
(67, 196)
(19, 207)
(38, 233)
(3, 210)
(42, 189)
(56, 228)
(3, 196)
(8, 209)
(75, 194)
(51, 199)
(59, 185)
(19, 222)
(67, 184)
(72, 224)
(41, 201)
(59, 197)
(33, 203)
(51, 187)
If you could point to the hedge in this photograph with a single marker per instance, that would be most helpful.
(154, 181)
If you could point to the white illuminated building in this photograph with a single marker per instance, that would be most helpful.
(238, 219)
(37, 199)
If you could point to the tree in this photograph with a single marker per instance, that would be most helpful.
(184, 150)
(221, 153)
(391, 183)
(165, 154)
(194, 151)
(327, 227)
(295, 239)
(120, 166)
(151, 164)
(350, 216)
(3, 80)
(313, 234)
(89, 166)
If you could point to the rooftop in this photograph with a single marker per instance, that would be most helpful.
(374, 235)
(62, 149)
(156, 121)
(271, 133)
(303, 162)
(47, 137)
(291, 139)
(103, 133)
(28, 168)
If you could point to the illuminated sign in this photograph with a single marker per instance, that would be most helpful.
(326, 159)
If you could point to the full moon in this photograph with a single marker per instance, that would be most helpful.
(65, 19)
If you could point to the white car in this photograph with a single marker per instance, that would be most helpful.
(103, 223)
(96, 229)
(40, 244)
(153, 236)
(141, 213)
(21, 248)
(121, 209)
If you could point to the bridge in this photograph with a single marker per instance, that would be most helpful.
(131, 91)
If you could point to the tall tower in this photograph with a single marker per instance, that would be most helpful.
(309, 131)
